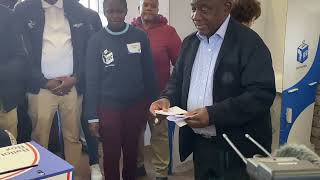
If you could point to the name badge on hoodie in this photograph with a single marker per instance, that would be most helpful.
(134, 48)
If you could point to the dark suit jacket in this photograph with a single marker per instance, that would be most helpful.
(243, 89)
(32, 16)
(93, 19)
(12, 60)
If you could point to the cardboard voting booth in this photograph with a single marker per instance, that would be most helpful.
(301, 70)
(30, 161)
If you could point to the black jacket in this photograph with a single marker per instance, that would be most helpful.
(243, 89)
(12, 60)
(93, 19)
(32, 16)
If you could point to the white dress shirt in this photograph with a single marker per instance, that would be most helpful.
(201, 83)
(57, 50)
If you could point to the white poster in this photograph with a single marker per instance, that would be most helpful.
(302, 34)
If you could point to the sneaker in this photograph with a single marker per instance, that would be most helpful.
(141, 171)
(96, 172)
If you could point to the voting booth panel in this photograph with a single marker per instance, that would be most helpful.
(301, 71)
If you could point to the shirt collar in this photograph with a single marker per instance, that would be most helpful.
(221, 32)
(118, 33)
(58, 4)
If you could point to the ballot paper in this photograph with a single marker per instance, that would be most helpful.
(178, 119)
(175, 114)
(172, 111)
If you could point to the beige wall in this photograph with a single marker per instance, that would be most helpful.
(180, 11)
(275, 32)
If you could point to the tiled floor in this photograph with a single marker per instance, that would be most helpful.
(184, 172)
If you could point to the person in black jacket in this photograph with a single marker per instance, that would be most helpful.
(12, 62)
(120, 85)
(24, 123)
(58, 33)
(224, 78)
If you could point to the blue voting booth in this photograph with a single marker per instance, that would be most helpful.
(301, 71)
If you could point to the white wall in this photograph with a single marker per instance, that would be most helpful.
(180, 12)
(259, 24)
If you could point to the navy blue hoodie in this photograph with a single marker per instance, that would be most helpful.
(119, 70)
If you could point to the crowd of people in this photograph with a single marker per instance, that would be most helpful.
(55, 56)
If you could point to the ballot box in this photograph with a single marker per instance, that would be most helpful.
(30, 161)
(302, 52)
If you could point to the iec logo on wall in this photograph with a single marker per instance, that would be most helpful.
(303, 52)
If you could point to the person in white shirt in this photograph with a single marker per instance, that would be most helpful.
(58, 33)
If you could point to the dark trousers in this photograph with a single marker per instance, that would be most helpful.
(120, 130)
(212, 162)
(24, 122)
(92, 143)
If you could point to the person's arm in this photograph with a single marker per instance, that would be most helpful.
(148, 70)
(93, 81)
(257, 78)
(174, 45)
(14, 68)
(171, 96)
(173, 90)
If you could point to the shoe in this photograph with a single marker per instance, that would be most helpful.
(141, 171)
(161, 178)
(96, 172)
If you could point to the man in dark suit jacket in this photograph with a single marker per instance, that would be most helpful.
(224, 78)
(24, 122)
(12, 62)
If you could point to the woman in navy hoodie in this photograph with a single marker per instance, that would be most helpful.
(120, 86)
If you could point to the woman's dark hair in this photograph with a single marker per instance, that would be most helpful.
(246, 11)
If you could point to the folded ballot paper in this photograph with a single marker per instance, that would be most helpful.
(175, 114)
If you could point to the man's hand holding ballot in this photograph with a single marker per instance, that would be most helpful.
(198, 118)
